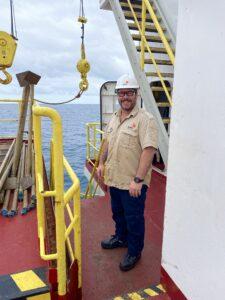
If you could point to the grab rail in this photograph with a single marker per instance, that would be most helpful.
(94, 144)
(144, 43)
(61, 199)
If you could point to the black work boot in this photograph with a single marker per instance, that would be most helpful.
(113, 242)
(129, 262)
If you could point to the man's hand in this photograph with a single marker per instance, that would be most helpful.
(100, 171)
(135, 188)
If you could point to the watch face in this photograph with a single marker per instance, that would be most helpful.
(138, 180)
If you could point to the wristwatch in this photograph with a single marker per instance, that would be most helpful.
(138, 180)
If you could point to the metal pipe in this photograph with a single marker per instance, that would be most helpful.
(25, 192)
(13, 211)
(33, 195)
(6, 173)
(20, 195)
(7, 158)
(19, 138)
(4, 211)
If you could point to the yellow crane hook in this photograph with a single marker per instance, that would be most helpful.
(7, 53)
(8, 78)
(83, 65)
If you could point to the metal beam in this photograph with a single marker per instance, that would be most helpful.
(146, 93)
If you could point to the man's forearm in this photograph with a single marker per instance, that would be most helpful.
(104, 153)
(145, 161)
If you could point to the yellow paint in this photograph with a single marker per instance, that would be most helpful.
(144, 42)
(41, 297)
(160, 287)
(27, 280)
(118, 298)
(58, 162)
(93, 153)
(135, 296)
(7, 53)
(150, 292)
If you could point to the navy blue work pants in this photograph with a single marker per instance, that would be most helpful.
(128, 214)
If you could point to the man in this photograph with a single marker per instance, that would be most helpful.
(129, 147)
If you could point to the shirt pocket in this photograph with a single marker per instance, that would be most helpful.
(129, 139)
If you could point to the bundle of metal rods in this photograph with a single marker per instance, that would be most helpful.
(17, 168)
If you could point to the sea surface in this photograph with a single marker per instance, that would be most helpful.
(74, 118)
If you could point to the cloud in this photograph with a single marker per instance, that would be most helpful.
(49, 45)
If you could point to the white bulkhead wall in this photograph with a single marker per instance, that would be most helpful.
(194, 229)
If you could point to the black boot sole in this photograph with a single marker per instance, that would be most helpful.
(109, 247)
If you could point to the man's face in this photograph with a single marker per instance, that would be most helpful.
(127, 99)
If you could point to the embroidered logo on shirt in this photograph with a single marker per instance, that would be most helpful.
(132, 125)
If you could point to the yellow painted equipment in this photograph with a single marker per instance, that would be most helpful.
(67, 202)
(83, 65)
(7, 53)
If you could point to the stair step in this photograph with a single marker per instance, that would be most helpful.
(139, 2)
(163, 104)
(158, 61)
(166, 120)
(129, 16)
(149, 38)
(154, 49)
(148, 28)
(159, 89)
(153, 74)
(136, 7)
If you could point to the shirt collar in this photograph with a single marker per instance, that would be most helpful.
(133, 113)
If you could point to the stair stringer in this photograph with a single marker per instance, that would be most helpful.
(164, 15)
(146, 93)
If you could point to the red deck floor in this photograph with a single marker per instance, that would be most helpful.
(102, 278)
(19, 250)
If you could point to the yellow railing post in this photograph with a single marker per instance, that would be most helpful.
(97, 147)
(58, 161)
(143, 24)
(38, 173)
(95, 152)
(87, 141)
(58, 185)
(77, 234)
(75, 191)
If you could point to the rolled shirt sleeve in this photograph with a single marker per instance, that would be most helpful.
(105, 134)
(148, 132)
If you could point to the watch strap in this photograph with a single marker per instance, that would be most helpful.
(138, 180)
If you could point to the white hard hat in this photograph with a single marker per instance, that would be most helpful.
(127, 82)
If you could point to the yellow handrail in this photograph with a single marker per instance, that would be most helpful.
(58, 162)
(160, 31)
(93, 150)
(144, 43)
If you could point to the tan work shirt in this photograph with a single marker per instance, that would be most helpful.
(126, 141)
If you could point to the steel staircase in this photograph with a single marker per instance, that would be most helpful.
(154, 71)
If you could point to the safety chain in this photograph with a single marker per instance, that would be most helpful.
(64, 102)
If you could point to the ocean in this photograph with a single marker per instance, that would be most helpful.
(74, 118)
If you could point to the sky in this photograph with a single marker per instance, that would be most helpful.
(49, 45)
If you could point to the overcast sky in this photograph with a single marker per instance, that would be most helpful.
(49, 45)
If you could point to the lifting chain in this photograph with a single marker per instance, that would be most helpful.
(83, 65)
